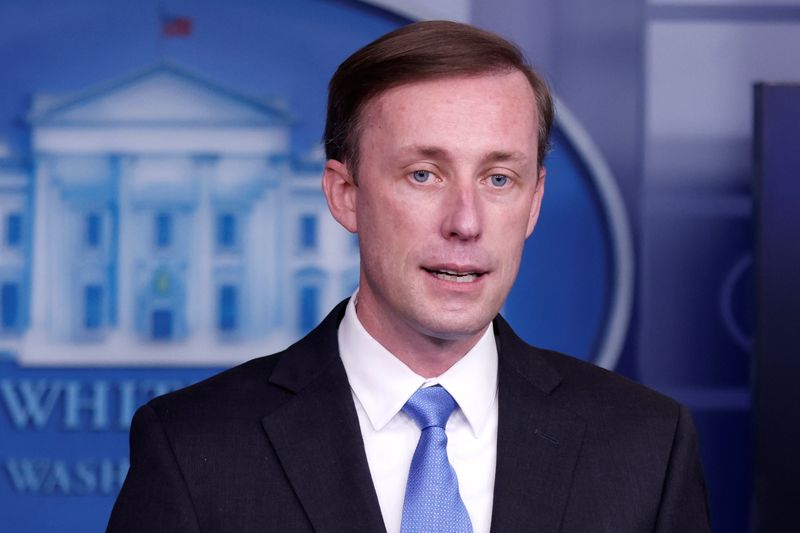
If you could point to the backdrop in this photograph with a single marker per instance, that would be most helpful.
(162, 219)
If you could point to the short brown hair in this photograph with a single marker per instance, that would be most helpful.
(419, 52)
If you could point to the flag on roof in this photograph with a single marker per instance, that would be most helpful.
(175, 26)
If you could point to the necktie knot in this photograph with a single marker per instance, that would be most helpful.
(430, 406)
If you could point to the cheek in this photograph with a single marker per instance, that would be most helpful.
(508, 240)
(382, 235)
(392, 220)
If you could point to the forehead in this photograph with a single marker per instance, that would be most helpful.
(487, 109)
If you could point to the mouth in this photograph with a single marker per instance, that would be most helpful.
(455, 276)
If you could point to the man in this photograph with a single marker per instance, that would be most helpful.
(413, 406)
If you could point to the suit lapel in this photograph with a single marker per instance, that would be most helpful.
(317, 438)
(538, 440)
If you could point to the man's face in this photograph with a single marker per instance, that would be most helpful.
(448, 191)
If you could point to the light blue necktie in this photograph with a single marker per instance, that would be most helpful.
(432, 503)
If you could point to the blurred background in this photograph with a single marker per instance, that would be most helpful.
(161, 216)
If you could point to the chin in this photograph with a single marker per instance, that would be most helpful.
(455, 328)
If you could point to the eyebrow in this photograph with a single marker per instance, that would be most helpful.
(435, 152)
(425, 151)
(501, 156)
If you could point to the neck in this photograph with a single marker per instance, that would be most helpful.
(425, 354)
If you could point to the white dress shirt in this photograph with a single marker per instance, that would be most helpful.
(381, 385)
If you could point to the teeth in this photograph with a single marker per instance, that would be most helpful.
(455, 276)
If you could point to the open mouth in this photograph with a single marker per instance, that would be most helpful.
(454, 276)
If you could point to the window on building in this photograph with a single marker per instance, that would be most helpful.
(227, 308)
(309, 307)
(163, 230)
(9, 303)
(94, 230)
(13, 229)
(226, 230)
(162, 324)
(93, 307)
(308, 232)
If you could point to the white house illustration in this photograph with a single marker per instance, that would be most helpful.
(167, 222)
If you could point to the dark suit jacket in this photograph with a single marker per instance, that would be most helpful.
(275, 445)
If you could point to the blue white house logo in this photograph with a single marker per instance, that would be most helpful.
(162, 220)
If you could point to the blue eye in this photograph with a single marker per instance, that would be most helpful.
(421, 176)
(499, 180)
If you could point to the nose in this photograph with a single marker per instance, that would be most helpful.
(462, 217)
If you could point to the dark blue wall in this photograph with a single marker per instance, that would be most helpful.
(665, 90)
(777, 263)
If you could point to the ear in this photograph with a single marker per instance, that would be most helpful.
(536, 204)
(340, 192)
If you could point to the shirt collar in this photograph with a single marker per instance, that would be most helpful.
(383, 384)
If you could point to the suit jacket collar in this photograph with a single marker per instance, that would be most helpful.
(317, 438)
(316, 435)
(538, 439)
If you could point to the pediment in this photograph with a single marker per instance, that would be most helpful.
(160, 95)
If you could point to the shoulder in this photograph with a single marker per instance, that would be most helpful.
(258, 387)
(580, 386)
(241, 391)
(635, 450)
(590, 389)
